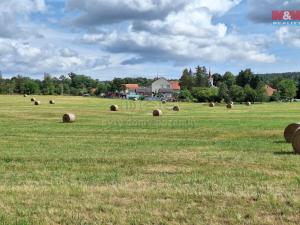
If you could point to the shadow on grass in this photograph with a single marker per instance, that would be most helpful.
(284, 153)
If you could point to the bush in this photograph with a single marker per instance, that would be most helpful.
(206, 94)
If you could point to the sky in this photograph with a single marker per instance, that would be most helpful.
(121, 38)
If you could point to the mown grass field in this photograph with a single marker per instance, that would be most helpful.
(198, 166)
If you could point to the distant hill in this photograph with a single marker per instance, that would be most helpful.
(289, 75)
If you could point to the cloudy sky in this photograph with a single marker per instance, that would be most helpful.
(112, 38)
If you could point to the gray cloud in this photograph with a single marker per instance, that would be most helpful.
(13, 12)
(99, 12)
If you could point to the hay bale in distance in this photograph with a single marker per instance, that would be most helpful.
(164, 102)
(290, 131)
(211, 104)
(135, 99)
(25, 96)
(37, 102)
(296, 141)
(33, 99)
(176, 108)
(248, 104)
(229, 106)
(69, 118)
(157, 112)
(52, 102)
(114, 108)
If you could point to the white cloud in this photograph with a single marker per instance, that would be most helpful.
(14, 13)
(17, 57)
(289, 36)
(182, 35)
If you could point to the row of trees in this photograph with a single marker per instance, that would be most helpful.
(72, 84)
(246, 86)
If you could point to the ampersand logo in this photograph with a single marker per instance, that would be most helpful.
(286, 15)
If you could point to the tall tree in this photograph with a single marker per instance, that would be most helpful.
(229, 79)
(201, 77)
(186, 80)
(287, 89)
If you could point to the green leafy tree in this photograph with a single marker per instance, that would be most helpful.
(261, 93)
(205, 94)
(229, 79)
(223, 92)
(237, 93)
(244, 78)
(201, 78)
(287, 89)
(250, 94)
(185, 95)
(186, 81)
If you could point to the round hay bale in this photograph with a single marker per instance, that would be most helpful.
(114, 108)
(231, 102)
(135, 99)
(69, 118)
(37, 102)
(33, 99)
(296, 141)
(157, 112)
(164, 102)
(211, 104)
(290, 131)
(176, 108)
(229, 106)
(248, 104)
(25, 96)
(52, 102)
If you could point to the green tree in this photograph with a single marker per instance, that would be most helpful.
(205, 94)
(229, 79)
(261, 93)
(287, 89)
(223, 92)
(244, 78)
(48, 87)
(250, 93)
(185, 95)
(237, 93)
(201, 77)
(186, 81)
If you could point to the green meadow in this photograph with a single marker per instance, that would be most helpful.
(198, 166)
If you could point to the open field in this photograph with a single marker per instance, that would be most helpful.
(198, 166)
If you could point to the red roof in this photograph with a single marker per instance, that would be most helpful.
(131, 86)
(175, 85)
(270, 91)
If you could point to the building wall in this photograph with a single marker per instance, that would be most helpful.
(160, 83)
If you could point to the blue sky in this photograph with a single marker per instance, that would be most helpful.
(118, 38)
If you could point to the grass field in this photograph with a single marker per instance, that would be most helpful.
(198, 166)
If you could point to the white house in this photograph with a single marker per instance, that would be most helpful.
(161, 83)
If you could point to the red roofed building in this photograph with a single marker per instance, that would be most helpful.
(270, 91)
(175, 85)
(130, 88)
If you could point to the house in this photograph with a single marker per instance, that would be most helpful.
(144, 91)
(130, 88)
(175, 85)
(161, 87)
(164, 88)
(269, 90)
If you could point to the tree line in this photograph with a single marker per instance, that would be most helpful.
(244, 87)
(195, 86)
(72, 84)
